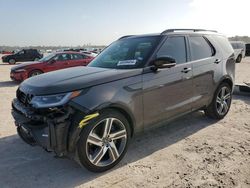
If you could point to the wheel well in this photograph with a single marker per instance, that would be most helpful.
(228, 81)
(34, 71)
(127, 116)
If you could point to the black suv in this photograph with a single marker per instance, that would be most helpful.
(138, 82)
(23, 55)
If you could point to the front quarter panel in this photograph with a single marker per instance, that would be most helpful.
(124, 94)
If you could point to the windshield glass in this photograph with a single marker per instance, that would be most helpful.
(47, 58)
(126, 53)
(234, 45)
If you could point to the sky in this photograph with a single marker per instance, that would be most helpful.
(99, 22)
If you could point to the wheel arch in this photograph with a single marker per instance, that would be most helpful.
(73, 138)
(124, 111)
(227, 80)
(33, 70)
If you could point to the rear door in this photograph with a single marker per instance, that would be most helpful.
(79, 60)
(205, 67)
(168, 92)
(29, 55)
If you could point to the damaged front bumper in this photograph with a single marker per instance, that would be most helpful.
(48, 128)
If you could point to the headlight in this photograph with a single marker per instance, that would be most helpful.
(53, 100)
(20, 70)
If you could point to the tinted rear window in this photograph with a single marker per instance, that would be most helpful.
(200, 48)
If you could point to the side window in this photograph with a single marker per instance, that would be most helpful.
(200, 48)
(77, 56)
(21, 52)
(174, 47)
(63, 57)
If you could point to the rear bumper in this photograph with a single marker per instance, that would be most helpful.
(35, 129)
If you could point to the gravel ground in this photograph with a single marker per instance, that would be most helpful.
(193, 151)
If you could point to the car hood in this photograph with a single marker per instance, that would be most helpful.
(25, 64)
(72, 79)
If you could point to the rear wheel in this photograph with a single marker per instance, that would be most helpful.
(35, 73)
(239, 58)
(103, 142)
(221, 102)
(12, 61)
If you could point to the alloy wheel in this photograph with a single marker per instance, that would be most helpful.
(106, 142)
(223, 101)
(35, 73)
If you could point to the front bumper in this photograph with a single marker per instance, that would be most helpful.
(18, 76)
(49, 130)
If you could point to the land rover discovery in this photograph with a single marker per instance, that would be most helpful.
(138, 82)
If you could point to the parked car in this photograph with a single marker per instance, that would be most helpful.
(137, 83)
(23, 55)
(89, 53)
(239, 50)
(247, 49)
(6, 52)
(52, 62)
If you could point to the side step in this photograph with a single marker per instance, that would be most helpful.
(242, 89)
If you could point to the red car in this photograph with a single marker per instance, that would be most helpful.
(49, 63)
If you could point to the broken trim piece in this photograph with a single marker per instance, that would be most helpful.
(86, 119)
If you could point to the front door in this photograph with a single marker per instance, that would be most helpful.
(168, 92)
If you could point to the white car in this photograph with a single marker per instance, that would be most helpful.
(239, 50)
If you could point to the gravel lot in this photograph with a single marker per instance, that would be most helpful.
(193, 151)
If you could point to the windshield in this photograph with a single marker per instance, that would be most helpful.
(126, 53)
(47, 58)
(234, 45)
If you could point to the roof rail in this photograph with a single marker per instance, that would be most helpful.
(126, 36)
(194, 30)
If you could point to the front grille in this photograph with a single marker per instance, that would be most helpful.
(23, 97)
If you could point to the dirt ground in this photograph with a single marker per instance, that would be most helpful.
(193, 151)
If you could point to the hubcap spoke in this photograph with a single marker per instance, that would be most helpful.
(94, 139)
(218, 99)
(118, 135)
(99, 155)
(225, 107)
(114, 154)
(227, 96)
(223, 90)
(107, 127)
(220, 108)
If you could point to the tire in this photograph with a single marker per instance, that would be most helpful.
(12, 61)
(239, 58)
(35, 73)
(221, 103)
(101, 153)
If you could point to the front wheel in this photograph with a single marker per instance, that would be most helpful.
(221, 103)
(12, 61)
(103, 142)
(35, 73)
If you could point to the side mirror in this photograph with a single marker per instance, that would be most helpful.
(52, 61)
(163, 62)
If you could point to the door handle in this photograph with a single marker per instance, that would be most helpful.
(186, 70)
(217, 61)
